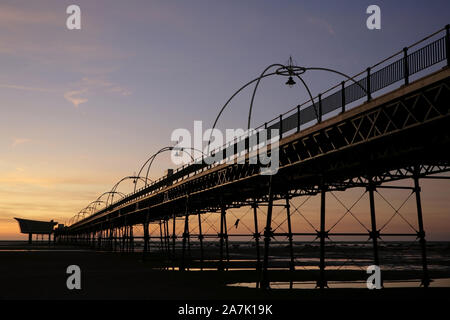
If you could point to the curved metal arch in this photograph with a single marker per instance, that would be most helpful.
(150, 160)
(114, 188)
(82, 212)
(228, 101)
(71, 219)
(121, 194)
(152, 156)
(256, 87)
(77, 216)
(263, 75)
(153, 159)
(190, 148)
(92, 206)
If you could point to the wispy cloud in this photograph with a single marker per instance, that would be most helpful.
(19, 141)
(74, 98)
(25, 88)
(322, 24)
(89, 85)
(107, 86)
(17, 16)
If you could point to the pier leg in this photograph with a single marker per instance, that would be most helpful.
(185, 234)
(30, 238)
(122, 231)
(115, 239)
(226, 240)
(174, 239)
(144, 254)
(256, 235)
(168, 238)
(131, 239)
(185, 239)
(221, 235)
(291, 247)
(322, 283)
(161, 236)
(374, 234)
(166, 249)
(421, 234)
(125, 238)
(265, 283)
(189, 245)
(200, 238)
(111, 237)
(149, 244)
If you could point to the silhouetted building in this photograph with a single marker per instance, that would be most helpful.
(36, 227)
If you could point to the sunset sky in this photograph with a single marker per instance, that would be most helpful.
(80, 109)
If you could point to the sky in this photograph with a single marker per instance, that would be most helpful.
(80, 109)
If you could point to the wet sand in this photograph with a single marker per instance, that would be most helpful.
(39, 272)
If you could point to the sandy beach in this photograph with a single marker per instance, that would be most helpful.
(39, 272)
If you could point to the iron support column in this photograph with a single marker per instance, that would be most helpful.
(185, 239)
(166, 236)
(188, 243)
(111, 237)
(322, 283)
(174, 239)
(200, 238)
(122, 234)
(257, 236)
(221, 235)
(115, 239)
(291, 247)
(185, 235)
(374, 234)
(131, 239)
(265, 283)
(226, 240)
(144, 253)
(160, 236)
(421, 233)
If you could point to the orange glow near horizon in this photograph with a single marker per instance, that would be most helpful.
(436, 216)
